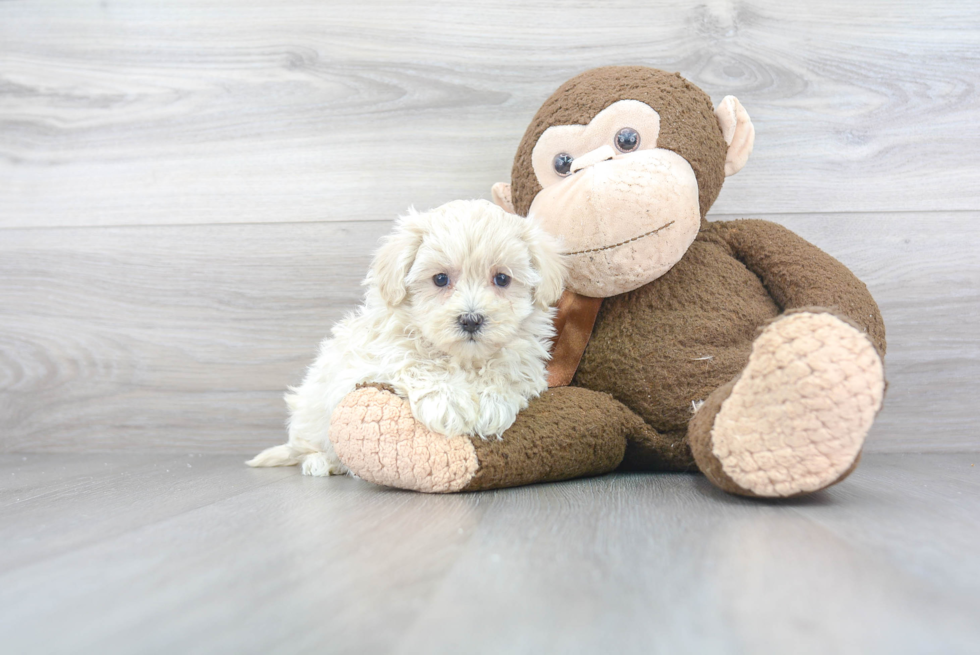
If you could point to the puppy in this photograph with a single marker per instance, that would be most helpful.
(457, 319)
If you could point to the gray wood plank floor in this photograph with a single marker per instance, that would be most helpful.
(199, 554)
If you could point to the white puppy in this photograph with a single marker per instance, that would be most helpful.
(457, 319)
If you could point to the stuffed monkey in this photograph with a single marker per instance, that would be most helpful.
(731, 347)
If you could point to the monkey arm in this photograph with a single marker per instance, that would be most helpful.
(797, 274)
(567, 432)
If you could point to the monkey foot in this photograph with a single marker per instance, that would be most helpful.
(377, 438)
(796, 418)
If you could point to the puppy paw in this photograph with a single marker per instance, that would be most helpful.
(447, 411)
(497, 412)
(320, 465)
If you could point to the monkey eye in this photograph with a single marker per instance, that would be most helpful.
(563, 163)
(440, 279)
(501, 280)
(627, 139)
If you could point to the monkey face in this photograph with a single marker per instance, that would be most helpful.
(623, 163)
(626, 210)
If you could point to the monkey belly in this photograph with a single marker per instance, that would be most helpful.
(663, 348)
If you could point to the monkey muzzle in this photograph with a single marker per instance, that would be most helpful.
(624, 221)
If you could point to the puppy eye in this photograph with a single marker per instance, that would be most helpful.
(563, 163)
(627, 139)
(501, 280)
(440, 279)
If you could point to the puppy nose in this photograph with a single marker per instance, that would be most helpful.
(470, 322)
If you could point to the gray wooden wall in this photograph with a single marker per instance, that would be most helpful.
(190, 190)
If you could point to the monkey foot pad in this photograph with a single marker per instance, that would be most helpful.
(374, 433)
(796, 419)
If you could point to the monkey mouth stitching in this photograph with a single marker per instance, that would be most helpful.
(621, 243)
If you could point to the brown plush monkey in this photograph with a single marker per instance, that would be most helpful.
(736, 348)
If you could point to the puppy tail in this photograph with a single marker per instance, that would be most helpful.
(284, 455)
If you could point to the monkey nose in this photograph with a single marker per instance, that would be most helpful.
(601, 153)
(470, 322)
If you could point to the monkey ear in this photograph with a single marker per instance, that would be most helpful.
(501, 196)
(739, 133)
(395, 257)
(548, 262)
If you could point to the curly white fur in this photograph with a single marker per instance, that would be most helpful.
(408, 332)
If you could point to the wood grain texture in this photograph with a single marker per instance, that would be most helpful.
(231, 111)
(183, 338)
(885, 562)
(167, 338)
(107, 497)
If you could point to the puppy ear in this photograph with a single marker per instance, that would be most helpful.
(549, 264)
(395, 258)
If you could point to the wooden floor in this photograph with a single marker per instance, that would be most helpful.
(199, 554)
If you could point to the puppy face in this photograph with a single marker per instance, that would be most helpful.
(469, 275)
